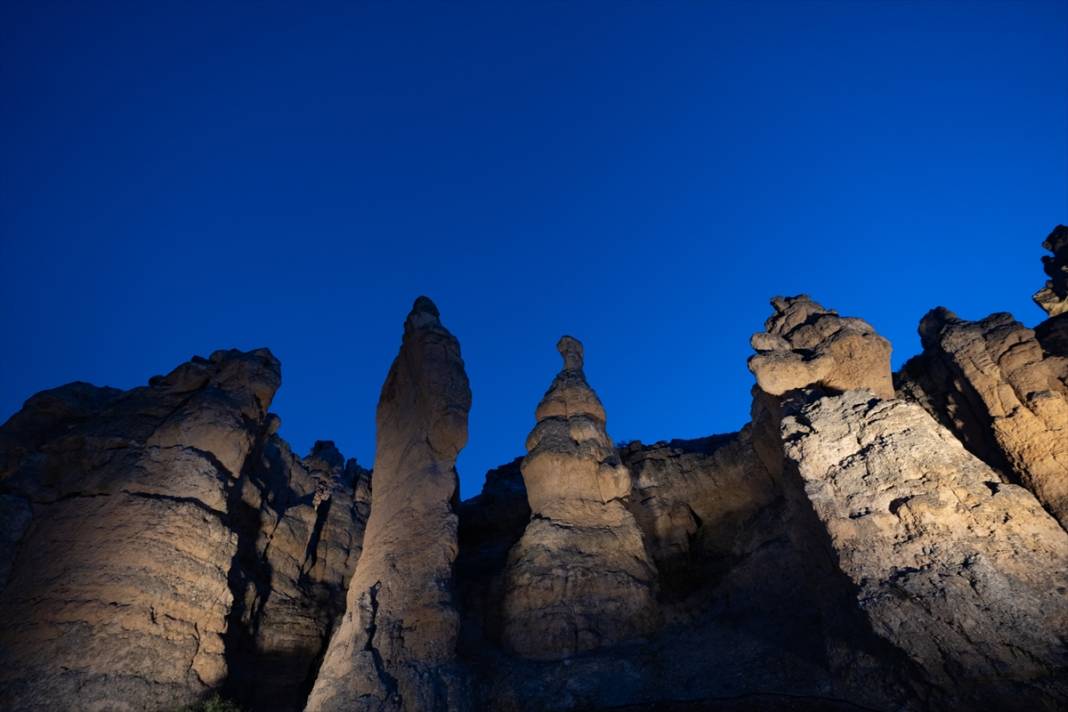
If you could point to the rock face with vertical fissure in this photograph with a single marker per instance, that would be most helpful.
(162, 543)
(580, 577)
(395, 647)
(965, 574)
(868, 541)
(1001, 393)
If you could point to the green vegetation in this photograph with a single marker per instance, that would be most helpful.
(212, 704)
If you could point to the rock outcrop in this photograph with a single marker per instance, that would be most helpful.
(965, 574)
(868, 541)
(1005, 398)
(395, 647)
(580, 577)
(137, 539)
(119, 594)
(1053, 298)
(804, 344)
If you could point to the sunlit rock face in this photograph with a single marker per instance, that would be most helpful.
(395, 647)
(143, 544)
(118, 595)
(867, 541)
(580, 577)
(1006, 398)
(965, 574)
(1053, 298)
(805, 345)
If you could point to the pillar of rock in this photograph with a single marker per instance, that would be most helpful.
(580, 577)
(395, 647)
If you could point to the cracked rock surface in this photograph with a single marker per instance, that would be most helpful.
(132, 525)
(1006, 398)
(395, 647)
(965, 574)
(580, 577)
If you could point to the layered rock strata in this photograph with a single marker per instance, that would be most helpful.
(1001, 393)
(162, 543)
(119, 594)
(395, 647)
(580, 577)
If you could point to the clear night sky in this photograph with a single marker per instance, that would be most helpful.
(181, 177)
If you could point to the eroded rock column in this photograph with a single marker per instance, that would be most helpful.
(580, 576)
(395, 647)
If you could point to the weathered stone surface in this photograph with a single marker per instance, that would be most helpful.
(119, 594)
(694, 501)
(580, 577)
(804, 344)
(1053, 335)
(162, 543)
(753, 613)
(396, 644)
(1053, 298)
(993, 385)
(964, 573)
(309, 517)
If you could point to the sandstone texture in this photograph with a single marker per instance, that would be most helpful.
(868, 540)
(1053, 298)
(580, 577)
(966, 574)
(804, 344)
(131, 520)
(1001, 393)
(396, 645)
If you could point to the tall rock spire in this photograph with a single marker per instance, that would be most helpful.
(395, 647)
(580, 576)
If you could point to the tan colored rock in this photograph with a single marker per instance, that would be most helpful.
(965, 574)
(580, 576)
(396, 644)
(1053, 298)
(806, 345)
(991, 382)
(312, 513)
(693, 500)
(118, 596)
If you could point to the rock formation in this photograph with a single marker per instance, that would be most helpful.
(965, 574)
(804, 344)
(580, 576)
(1053, 298)
(1006, 399)
(132, 521)
(868, 541)
(395, 647)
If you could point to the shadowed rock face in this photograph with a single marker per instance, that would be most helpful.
(396, 644)
(580, 577)
(965, 574)
(991, 382)
(1053, 298)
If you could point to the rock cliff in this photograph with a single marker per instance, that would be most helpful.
(870, 540)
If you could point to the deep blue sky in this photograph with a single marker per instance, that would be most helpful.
(181, 177)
